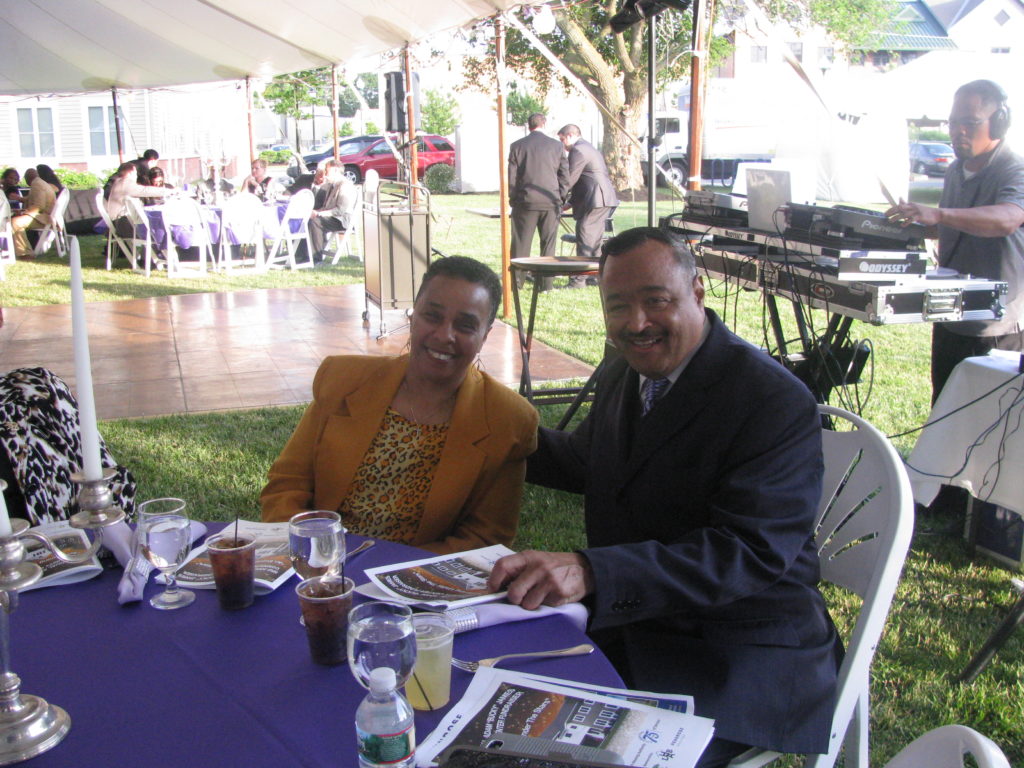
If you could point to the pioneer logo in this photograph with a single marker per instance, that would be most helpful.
(898, 269)
(880, 226)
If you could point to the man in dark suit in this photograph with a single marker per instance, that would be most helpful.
(591, 193)
(537, 183)
(700, 464)
(332, 207)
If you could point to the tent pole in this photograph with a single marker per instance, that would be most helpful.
(410, 122)
(506, 245)
(698, 65)
(117, 127)
(334, 106)
(248, 109)
(652, 139)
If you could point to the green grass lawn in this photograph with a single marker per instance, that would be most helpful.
(948, 601)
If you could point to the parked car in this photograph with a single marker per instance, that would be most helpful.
(431, 150)
(930, 157)
(348, 145)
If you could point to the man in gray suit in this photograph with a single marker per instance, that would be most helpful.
(332, 208)
(537, 181)
(591, 195)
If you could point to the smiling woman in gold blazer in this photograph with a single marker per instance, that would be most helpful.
(423, 448)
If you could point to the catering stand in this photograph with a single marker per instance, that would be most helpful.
(396, 231)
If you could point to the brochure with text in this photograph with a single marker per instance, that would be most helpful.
(515, 709)
(72, 541)
(273, 561)
(443, 582)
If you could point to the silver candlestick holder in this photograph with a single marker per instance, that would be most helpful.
(28, 724)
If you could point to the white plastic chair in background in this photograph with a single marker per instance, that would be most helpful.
(946, 746)
(140, 222)
(53, 233)
(113, 238)
(300, 206)
(185, 213)
(865, 522)
(242, 215)
(345, 238)
(7, 254)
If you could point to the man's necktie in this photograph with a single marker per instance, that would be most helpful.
(653, 389)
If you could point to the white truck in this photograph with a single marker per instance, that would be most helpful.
(735, 130)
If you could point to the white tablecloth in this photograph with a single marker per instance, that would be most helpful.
(980, 448)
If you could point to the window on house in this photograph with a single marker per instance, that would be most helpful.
(826, 56)
(759, 54)
(1002, 17)
(102, 131)
(797, 49)
(35, 132)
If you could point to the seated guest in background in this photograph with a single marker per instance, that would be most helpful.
(257, 182)
(42, 197)
(215, 186)
(423, 449)
(332, 207)
(701, 470)
(12, 191)
(144, 164)
(124, 184)
(155, 178)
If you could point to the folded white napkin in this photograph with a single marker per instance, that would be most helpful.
(489, 614)
(121, 540)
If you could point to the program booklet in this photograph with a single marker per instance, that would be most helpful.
(73, 541)
(545, 716)
(273, 563)
(443, 582)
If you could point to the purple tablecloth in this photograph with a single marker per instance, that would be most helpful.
(200, 686)
(182, 236)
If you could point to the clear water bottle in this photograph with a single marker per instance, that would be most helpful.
(384, 725)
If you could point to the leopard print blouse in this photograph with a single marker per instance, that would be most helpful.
(390, 487)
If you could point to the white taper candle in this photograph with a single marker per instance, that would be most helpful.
(89, 433)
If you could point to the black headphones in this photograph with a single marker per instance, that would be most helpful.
(990, 90)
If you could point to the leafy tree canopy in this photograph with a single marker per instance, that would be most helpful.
(439, 113)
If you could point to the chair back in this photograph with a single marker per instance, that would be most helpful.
(184, 213)
(946, 746)
(862, 532)
(300, 206)
(6, 232)
(101, 206)
(136, 214)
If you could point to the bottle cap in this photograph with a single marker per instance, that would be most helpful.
(382, 680)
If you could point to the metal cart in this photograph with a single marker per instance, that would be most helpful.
(396, 231)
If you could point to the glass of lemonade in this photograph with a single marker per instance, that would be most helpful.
(429, 687)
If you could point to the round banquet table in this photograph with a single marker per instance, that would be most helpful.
(202, 686)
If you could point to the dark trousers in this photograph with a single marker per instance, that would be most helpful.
(525, 222)
(949, 348)
(590, 229)
(319, 226)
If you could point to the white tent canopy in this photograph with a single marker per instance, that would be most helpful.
(59, 46)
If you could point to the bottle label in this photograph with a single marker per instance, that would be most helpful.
(386, 748)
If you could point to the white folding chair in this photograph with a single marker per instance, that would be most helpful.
(347, 237)
(946, 746)
(140, 222)
(185, 213)
(53, 233)
(865, 521)
(112, 237)
(6, 233)
(242, 219)
(300, 206)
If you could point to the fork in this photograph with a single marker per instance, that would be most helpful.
(473, 666)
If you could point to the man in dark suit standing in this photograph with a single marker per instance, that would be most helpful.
(591, 193)
(700, 464)
(537, 183)
(332, 207)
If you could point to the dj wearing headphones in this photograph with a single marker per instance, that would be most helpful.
(978, 224)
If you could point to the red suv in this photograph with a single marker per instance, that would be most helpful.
(378, 156)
